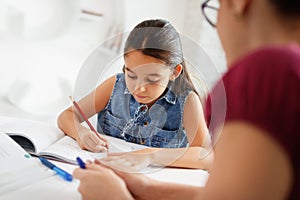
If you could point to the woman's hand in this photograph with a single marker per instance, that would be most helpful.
(137, 183)
(129, 161)
(98, 182)
(91, 141)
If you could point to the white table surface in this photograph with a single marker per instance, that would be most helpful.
(55, 187)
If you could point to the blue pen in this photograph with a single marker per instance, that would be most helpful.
(65, 175)
(80, 163)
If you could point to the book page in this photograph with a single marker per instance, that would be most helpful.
(26, 132)
(120, 145)
(18, 168)
(67, 149)
(50, 142)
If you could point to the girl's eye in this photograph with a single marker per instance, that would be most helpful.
(152, 80)
(131, 76)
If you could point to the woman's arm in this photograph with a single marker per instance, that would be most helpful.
(249, 164)
(152, 189)
(69, 121)
(98, 182)
(97, 176)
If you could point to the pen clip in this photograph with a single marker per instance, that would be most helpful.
(80, 163)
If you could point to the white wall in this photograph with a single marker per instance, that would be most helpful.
(138, 10)
(37, 74)
(186, 17)
(51, 65)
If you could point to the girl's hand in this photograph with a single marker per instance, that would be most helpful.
(91, 141)
(98, 182)
(129, 161)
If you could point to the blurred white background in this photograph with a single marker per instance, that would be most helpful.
(44, 43)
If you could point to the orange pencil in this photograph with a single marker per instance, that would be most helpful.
(83, 115)
(85, 118)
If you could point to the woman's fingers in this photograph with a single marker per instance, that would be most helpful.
(116, 154)
(79, 173)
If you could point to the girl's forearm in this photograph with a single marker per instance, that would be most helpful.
(69, 124)
(191, 157)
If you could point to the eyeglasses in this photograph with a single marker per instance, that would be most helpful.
(210, 12)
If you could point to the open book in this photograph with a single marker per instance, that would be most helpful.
(40, 139)
(17, 165)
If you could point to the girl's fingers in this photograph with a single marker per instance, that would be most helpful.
(103, 138)
(97, 139)
(89, 145)
(95, 144)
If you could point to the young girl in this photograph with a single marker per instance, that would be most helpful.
(153, 102)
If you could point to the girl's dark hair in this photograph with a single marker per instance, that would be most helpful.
(159, 39)
(287, 8)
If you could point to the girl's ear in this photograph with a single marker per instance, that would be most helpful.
(176, 72)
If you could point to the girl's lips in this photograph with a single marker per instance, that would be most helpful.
(140, 96)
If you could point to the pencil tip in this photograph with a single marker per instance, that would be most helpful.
(71, 98)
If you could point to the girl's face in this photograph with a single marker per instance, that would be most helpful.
(146, 77)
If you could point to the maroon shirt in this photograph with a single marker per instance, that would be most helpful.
(263, 89)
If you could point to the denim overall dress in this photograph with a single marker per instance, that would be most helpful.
(158, 126)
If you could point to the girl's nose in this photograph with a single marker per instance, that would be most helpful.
(141, 87)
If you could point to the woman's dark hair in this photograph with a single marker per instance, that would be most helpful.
(159, 39)
(287, 8)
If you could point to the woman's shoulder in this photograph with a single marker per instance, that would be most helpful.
(265, 69)
(264, 88)
(270, 58)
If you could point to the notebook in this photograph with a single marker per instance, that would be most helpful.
(40, 139)
(18, 168)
